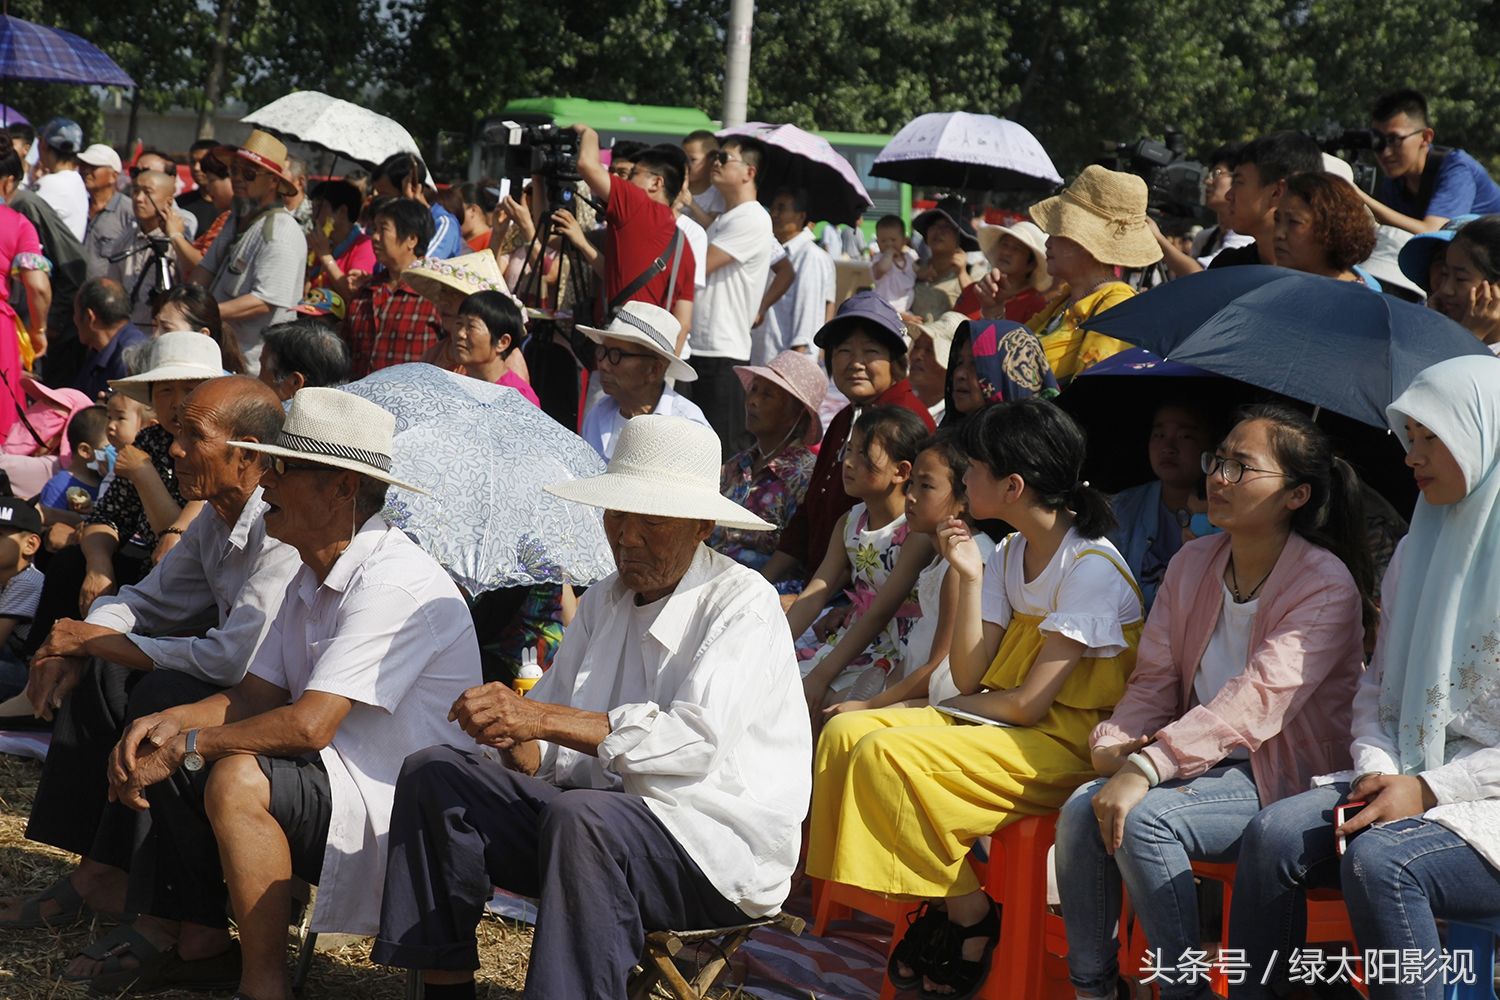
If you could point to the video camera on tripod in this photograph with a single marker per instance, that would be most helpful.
(541, 150)
(1174, 183)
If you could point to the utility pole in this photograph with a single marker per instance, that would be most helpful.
(737, 62)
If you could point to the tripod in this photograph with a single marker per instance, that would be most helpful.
(531, 284)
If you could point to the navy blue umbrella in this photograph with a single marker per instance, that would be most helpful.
(31, 51)
(1333, 344)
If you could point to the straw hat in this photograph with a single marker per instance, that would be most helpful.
(797, 374)
(265, 151)
(650, 326)
(473, 272)
(663, 467)
(179, 356)
(942, 331)
(338, 429)
(1103, 211)
(1027, 233)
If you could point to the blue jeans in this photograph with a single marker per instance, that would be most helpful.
(1396, 878)
(1176, 823)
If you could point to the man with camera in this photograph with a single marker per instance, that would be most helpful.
(646, 259)
(1425, 185)
(141, 257)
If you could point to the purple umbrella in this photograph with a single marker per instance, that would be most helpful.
(31, 51)
(799, 159)
(10, 116)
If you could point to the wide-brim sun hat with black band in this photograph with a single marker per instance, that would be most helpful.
(653, 328)
(178, 356)
(1103, 211)
(338, 429)
(662, 467)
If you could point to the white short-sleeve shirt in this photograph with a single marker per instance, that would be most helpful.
(728, 303)
(798, 315)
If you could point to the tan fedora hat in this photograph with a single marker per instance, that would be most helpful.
(1103, 211)
(265, 151)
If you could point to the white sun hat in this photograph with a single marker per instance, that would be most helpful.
(664, 467)
(179, 356)
(338, 429)
(650, 326)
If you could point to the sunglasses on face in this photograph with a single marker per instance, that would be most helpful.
(720, 157)
(246, 173)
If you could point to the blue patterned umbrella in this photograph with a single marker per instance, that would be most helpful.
(485, 454)
(31, 51)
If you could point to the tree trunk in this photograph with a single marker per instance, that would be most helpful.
(213, 87)
(131, 128)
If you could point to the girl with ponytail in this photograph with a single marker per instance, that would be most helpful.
(1241, 694)
(1044, 637)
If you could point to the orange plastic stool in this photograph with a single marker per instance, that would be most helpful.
(837, 901)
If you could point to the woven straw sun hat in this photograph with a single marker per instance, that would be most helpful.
(797, 374)
(265, 151)
(179, 356)
(662, 467)
(338, 429)
(650, 326)
(1103, 211)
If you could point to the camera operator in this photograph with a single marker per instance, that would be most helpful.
(143, 260)
(1425, 185)
(642, 244)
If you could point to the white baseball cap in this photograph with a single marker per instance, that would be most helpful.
(100, 155)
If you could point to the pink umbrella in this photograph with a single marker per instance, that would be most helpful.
(799, 159)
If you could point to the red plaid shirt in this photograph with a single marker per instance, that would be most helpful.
(389, 326)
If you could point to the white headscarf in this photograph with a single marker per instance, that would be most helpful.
(1443, 644)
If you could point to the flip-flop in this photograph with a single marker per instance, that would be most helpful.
(111, 950)
(60, 892)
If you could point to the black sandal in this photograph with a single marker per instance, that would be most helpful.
(923, 942)
(962, 976)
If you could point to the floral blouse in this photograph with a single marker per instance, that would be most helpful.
(120, 506)
(773, 495)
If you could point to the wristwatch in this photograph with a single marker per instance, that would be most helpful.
(192, 760)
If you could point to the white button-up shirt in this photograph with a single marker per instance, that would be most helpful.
(799, 314)
(710, 727)
(388, 630)
(228, 578)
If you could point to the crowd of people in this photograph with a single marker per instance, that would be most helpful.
(867, 608)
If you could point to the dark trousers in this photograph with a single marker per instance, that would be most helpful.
(59, 599)
(72, 810)
(721, 397)
(605, 869)
(177, 875)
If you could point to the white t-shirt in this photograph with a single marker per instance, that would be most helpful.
(710, 202)
(1085, 598)
(65, 192)
(899, 281)
(1228, 653)
(724, 311)
(799, 314)
(698, 241)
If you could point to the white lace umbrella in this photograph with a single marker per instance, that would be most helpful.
(959, 151)
(340, 127)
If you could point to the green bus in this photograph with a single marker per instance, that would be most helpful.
(655, 123)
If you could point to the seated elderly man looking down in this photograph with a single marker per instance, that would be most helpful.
(635, 380)
(186, 630)
(292, 770)
(655, 778)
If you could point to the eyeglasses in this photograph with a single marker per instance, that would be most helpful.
(1384, 140)
(720, 157)
(622, 170)
(1216, 173)
(614, 355)
(281, 466)
(245, 172)
(1231, 469)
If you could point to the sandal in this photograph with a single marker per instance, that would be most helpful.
(961, 975)
(214, 974)
(60, 892)
(924, 940)
(112, 949)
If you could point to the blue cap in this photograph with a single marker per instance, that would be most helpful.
(63, 135)
(1416, 256)
(869, 312)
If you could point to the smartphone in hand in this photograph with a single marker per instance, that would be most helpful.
(1341, 815)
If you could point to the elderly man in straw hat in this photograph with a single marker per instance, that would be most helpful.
(656, 777)
(635, 357)
(256, 266)
(292, 770)
(1097, 224)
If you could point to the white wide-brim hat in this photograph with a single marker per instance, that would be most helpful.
(1031, 236)
(662, 467)
(179, 356)
(339, 429)
(653, 328)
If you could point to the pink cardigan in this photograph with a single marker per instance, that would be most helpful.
(1291, 706)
